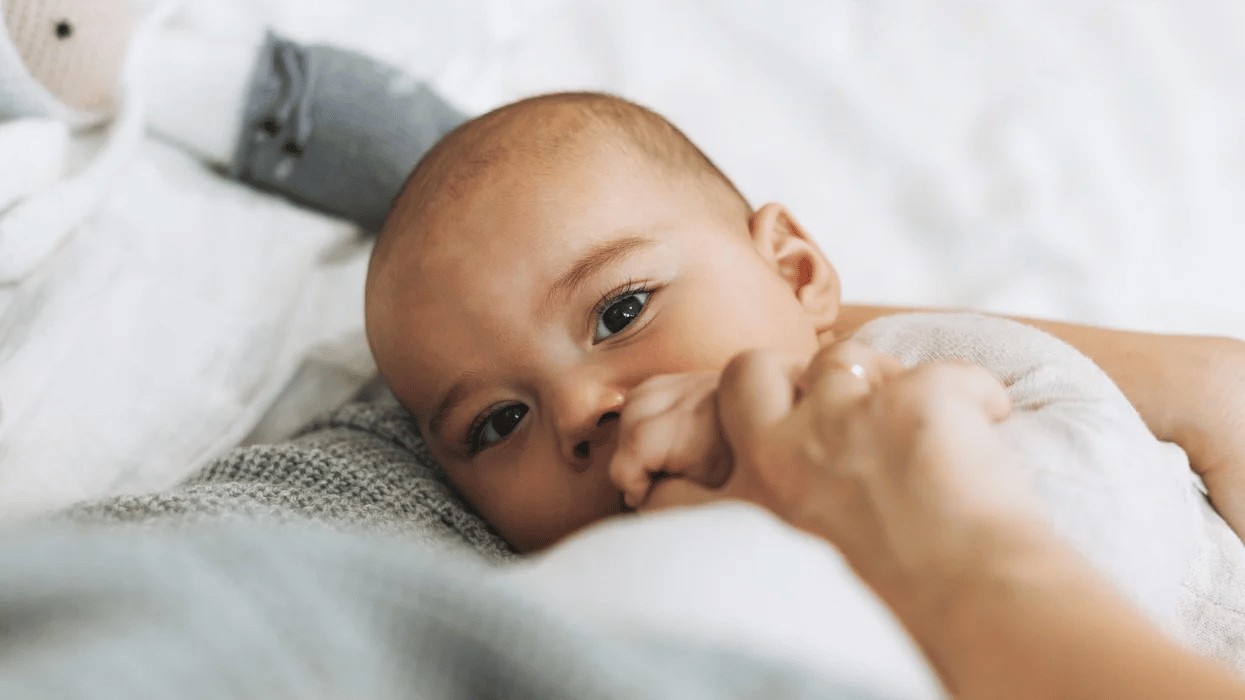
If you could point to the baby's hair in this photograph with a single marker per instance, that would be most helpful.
(540, 129)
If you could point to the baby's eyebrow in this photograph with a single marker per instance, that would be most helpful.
(597, 258)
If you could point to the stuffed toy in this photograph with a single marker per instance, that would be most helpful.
(330, 129)
(156, 301)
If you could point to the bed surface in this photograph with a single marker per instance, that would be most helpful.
(1082, 160)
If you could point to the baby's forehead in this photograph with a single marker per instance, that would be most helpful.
(515, 182)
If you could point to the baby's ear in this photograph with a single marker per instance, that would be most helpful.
(793, 254)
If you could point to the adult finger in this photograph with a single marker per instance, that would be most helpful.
(841, 375)
(859, 359)
(757, 389)
(952, 380)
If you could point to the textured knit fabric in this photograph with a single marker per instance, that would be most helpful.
(254, 612)
(363, 466)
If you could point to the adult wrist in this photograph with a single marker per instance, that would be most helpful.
(944, 588)
(960, 622)
(1201, 375)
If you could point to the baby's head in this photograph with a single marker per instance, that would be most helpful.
(545, 258)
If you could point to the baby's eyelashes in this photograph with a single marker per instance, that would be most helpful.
(493, 427)
(618, 311)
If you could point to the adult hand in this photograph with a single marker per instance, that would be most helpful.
(901, 469)
(904, 471)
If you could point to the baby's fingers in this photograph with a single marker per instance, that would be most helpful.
(642, 453)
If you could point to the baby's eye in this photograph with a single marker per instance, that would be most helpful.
(619, 314)
(496, 426)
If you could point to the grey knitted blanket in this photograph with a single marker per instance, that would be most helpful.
(361, 467)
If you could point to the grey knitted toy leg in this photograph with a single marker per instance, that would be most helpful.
(335, 130)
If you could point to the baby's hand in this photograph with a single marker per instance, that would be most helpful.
(669, 428)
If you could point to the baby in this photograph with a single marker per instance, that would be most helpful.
(564, 278)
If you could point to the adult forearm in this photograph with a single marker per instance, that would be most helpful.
(1069, 636)
(1036, 622)
(1182, 385)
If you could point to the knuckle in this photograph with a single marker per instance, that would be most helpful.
(745, 363)
(845, 354)
(907, 394)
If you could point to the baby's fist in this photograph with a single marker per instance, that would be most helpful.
(669, 427)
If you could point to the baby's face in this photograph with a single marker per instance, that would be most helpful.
(531, 307)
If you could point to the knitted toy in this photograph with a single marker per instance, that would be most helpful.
(327, 128)
(152, 309)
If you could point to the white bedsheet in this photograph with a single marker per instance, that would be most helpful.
(1070, 158)
(1061, 158)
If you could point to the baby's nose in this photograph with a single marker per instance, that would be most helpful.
(598, 440)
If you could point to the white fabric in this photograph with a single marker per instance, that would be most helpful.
(150, 310)
(32, 228)
(36, 150)
(148, 344)
(221, 72)
(1125, 499)
(735, 575)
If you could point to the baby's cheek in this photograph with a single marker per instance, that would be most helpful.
(710, 341)
(534, 499)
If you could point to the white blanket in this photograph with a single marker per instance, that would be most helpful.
(733, 573)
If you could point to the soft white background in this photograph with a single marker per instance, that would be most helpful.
(1083, 160)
